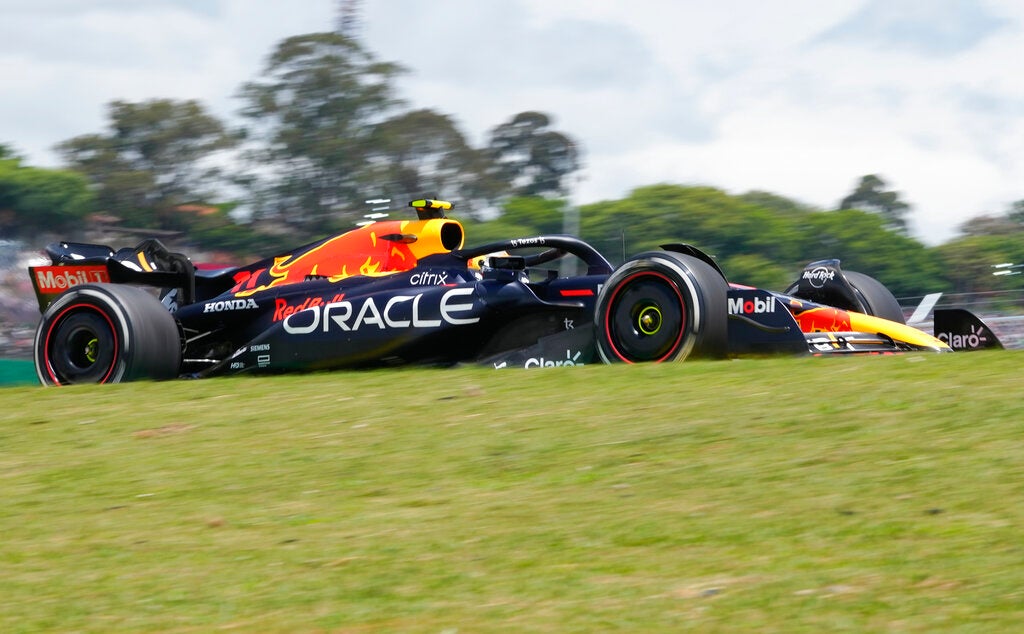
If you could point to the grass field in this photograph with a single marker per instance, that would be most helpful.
(877, 494)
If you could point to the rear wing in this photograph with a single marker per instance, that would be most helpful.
(148, 264)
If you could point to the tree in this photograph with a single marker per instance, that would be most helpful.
(867, 244)
(423, 152)
(706, 217)
(968, 261)
(7, 152)
(34, 200)
(871, 195)
(316, 108)
(1016, 213)
(1011, 221)
(520, 217)
(756, 270)
(778, 204)
(986, 225)
(414, 151)
(533, 159)
(154, 156)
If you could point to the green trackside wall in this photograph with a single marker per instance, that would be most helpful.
(17, 372)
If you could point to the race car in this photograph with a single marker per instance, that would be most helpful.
(408, 291)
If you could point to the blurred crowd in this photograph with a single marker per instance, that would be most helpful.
(19, 311)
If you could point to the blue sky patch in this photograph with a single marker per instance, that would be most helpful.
(935, 28)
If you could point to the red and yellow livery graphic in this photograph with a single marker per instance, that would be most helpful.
(833, 320)
(824, 319)
(383, 248)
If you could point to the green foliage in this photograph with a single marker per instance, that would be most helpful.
(1009, 222)
(864, 242)
(987, 240)
(758, 238)
(153, 157)
(779, 204)
(315, 109)
(871, 195)
(544, 215)
(328, 119)
(8, 152)
(34, 200)
(423, 153)
(521, 217)
(989, 225)
(756, 270)
(1016, 213)
(531, 158)
(220, 232)
(708, 218)
(241, 240)
(326, 132)
(969, 261)
(482, 232)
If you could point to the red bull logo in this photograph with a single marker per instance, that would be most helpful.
(284, 310)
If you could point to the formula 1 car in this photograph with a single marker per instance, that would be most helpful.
(394, 292)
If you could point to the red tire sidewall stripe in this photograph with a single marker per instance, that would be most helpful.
(58, 319)
(611, 302)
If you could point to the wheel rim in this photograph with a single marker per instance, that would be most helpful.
(646, 318)
(81, 346)
(649, 320)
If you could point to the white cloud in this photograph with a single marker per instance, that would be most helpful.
(62, 62)
(797, 97)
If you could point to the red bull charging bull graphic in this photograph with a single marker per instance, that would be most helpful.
(383, 248)
(824, 319)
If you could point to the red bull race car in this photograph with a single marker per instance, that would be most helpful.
(409, 291)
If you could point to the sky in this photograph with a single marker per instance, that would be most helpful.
(789, 96)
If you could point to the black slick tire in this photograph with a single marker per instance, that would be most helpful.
(662, 306)
(106, 333)
(877, 299)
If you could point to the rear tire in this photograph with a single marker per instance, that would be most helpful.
(106, 333)
(662, 306)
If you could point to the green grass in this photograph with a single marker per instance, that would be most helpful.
(780, 495)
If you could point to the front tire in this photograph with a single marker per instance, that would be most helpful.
(870, 297)
(105, 333)
(878, 300)
(662, 306)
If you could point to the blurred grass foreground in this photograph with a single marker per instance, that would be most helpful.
(793, 495)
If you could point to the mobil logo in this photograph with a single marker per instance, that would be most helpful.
(756, 305)
(57, 279)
